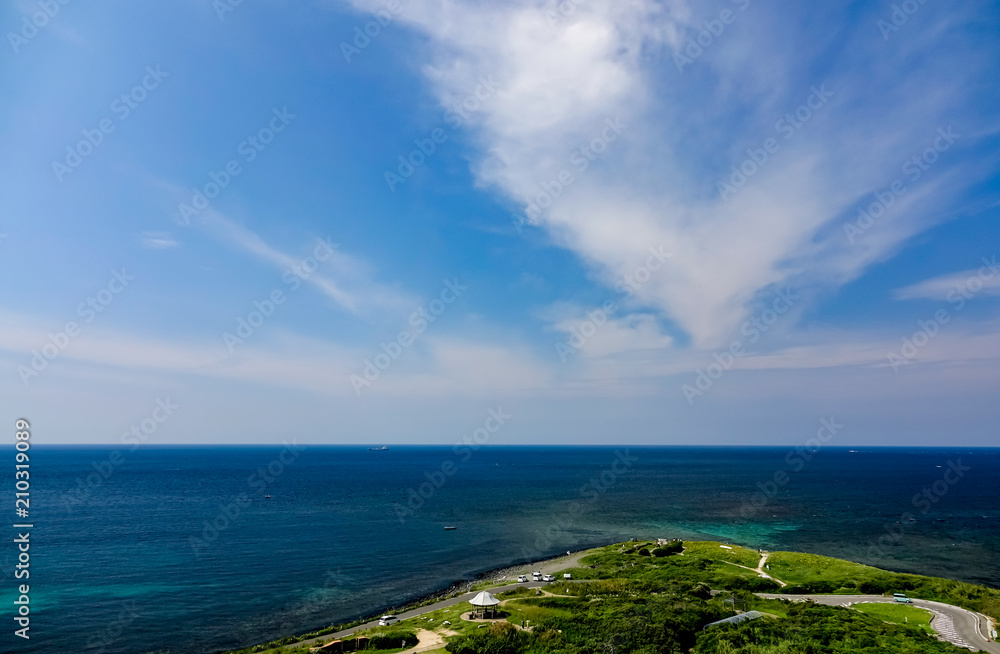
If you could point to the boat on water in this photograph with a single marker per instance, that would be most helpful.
(450, 528)
(378, 449)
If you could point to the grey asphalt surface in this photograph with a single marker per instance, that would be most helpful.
(969, 629)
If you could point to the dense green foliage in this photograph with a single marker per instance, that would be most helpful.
(391, 639)
(637, 598)
(812, 574)
(672, 623)
(598, 616)
(815, 629)
(669, 549)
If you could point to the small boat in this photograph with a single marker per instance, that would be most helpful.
(267, 497)
(450, 528)
(378, 449)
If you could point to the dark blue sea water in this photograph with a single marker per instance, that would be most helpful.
(178, 550)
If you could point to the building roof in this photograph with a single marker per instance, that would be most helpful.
(736, 619)
(484, 599)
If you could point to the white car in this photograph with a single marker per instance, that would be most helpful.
(522, 579)
(387, 620)
(548, 578)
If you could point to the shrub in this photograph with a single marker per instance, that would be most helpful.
(392, 639)
(872, 587)
(668, 549)
(500, 638)
(644, 552)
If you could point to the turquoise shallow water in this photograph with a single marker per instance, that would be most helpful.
(129, 565)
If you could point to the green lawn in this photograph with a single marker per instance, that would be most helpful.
(795, 568)
(713, 550)
(903, 614)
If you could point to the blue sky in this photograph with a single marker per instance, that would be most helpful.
(622, 222)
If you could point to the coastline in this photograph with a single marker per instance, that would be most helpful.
(965, 622)
(455, 589)
(493, 575)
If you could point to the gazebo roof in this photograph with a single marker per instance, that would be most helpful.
(484, 599)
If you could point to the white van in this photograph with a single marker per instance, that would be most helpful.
(537, 576)
(521, 579)
(387, 620)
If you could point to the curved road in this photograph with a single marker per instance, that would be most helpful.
(958, 626)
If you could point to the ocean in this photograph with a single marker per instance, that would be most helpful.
(180, 549)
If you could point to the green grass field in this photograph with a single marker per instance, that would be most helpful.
(902, 614)
(713, 550)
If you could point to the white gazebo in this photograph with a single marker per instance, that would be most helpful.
(482, 603)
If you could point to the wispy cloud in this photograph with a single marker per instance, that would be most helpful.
(984, 280)
(563, 79)
(158, 240)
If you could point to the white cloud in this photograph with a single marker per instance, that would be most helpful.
(158, 240)
(968, 283)
(609, 59)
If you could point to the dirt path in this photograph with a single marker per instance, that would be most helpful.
(759, 570)
(426, 640)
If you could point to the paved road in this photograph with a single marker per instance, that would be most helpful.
(958, 626)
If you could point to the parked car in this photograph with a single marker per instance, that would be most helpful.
(537, 576)
(387, 620)
(548, 578)
(522, 579)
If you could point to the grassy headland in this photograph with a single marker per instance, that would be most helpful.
(640, 598)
